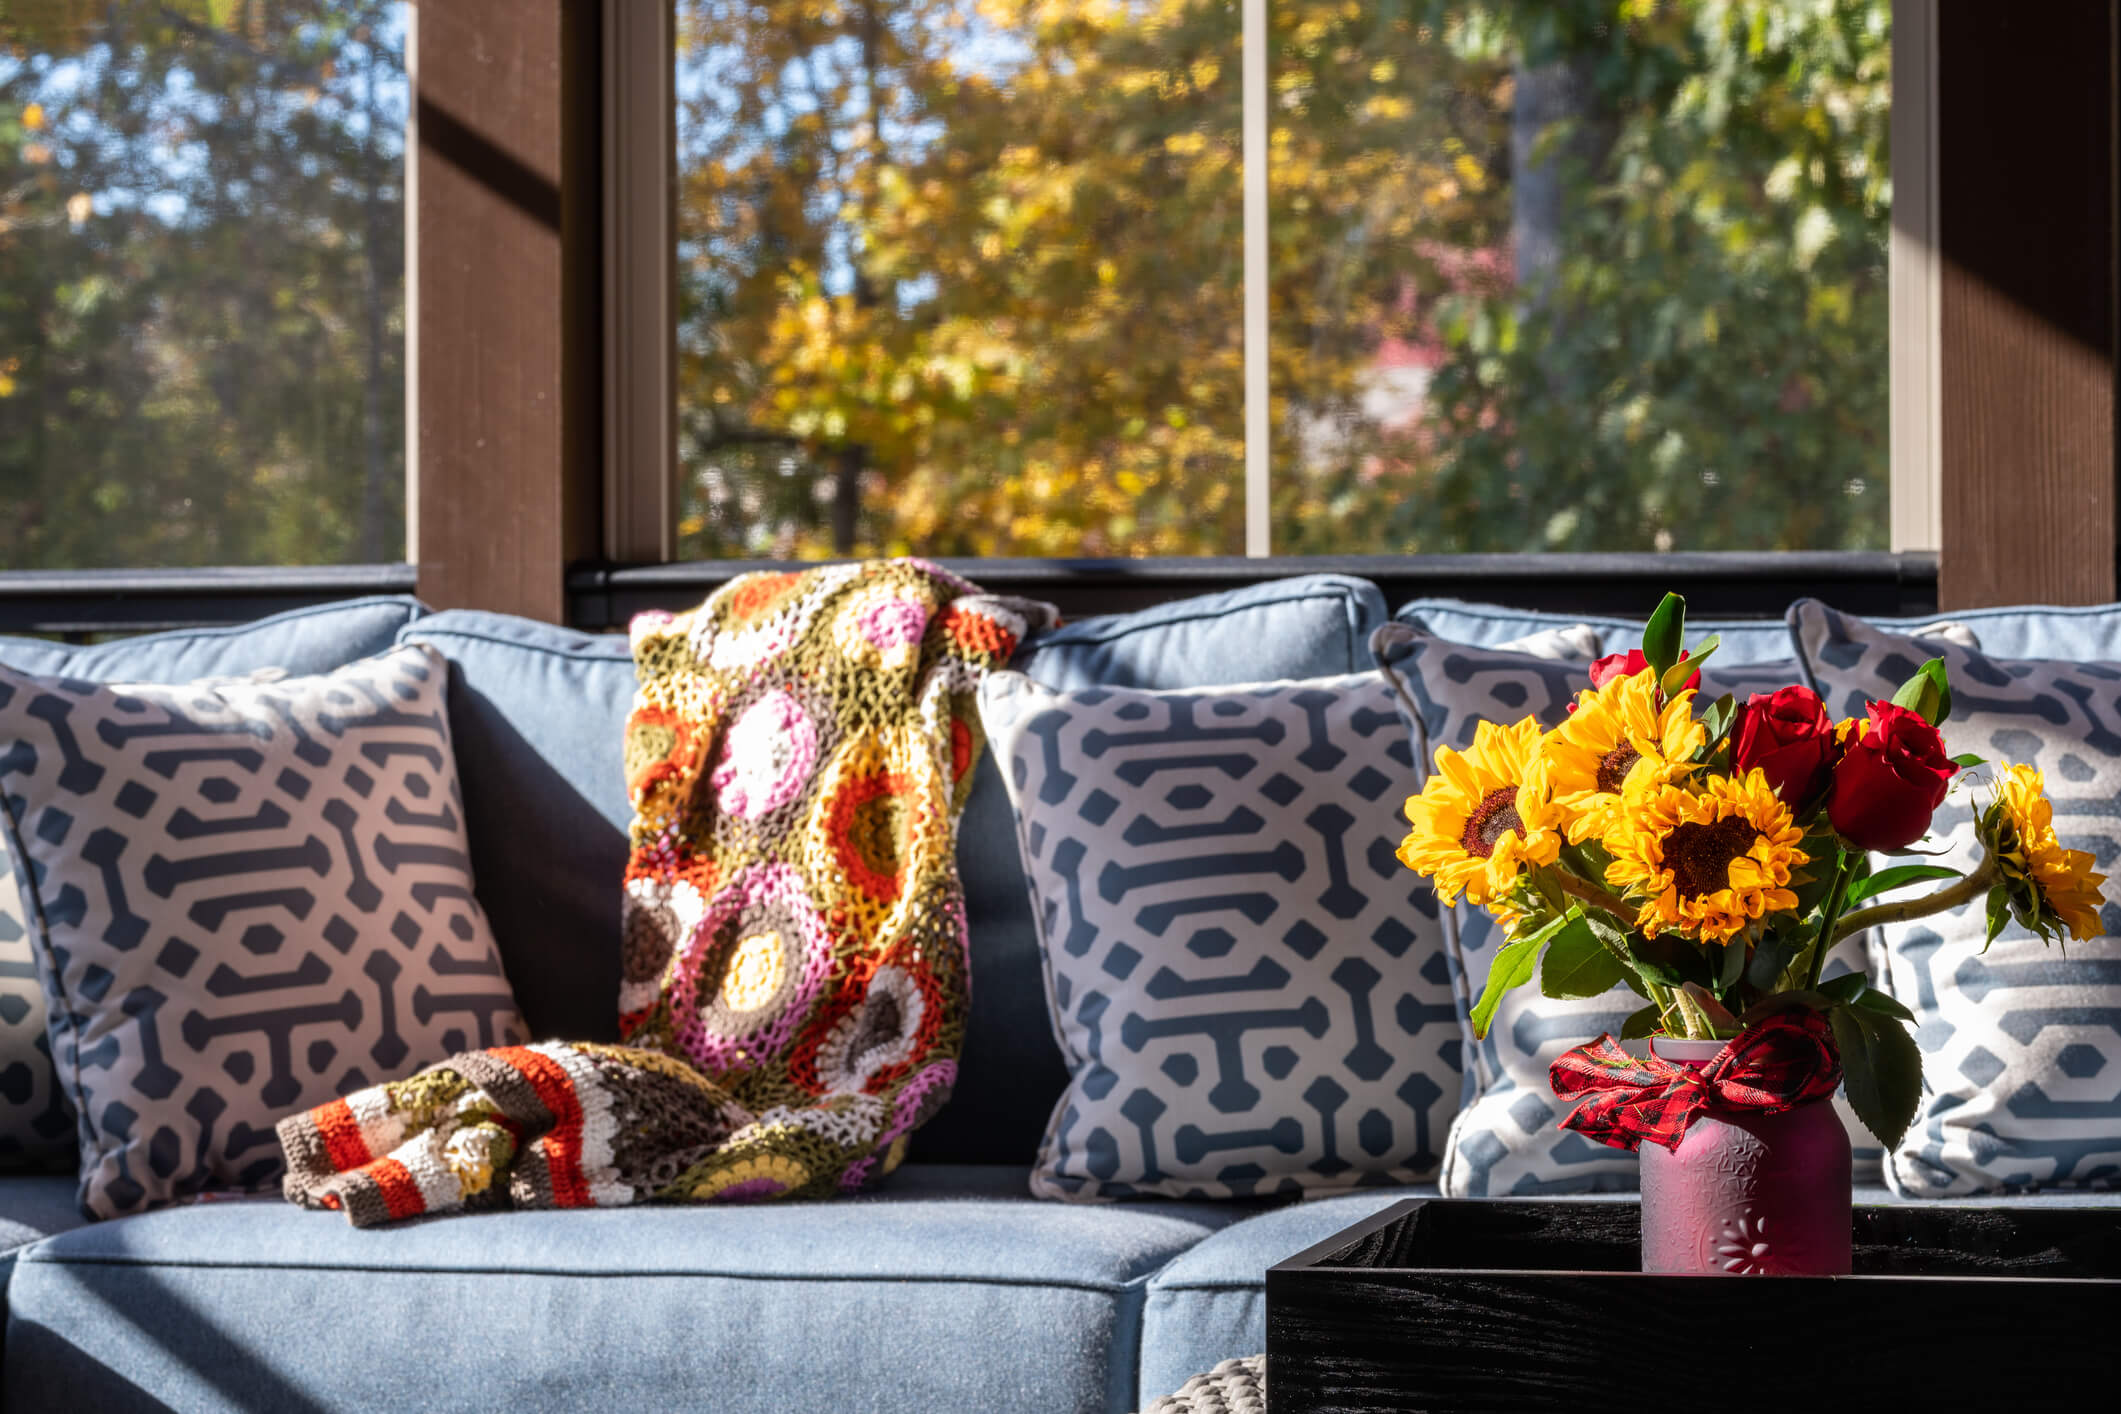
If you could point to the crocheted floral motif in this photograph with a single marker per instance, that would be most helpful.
(792, 949)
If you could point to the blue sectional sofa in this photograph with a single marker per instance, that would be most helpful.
(946, 1288)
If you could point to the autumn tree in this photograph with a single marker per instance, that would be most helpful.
(201, 283)
(966, 278)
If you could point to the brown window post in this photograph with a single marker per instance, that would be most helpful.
(508, 344)
(2025, 187)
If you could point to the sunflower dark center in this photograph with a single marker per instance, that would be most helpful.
(1700, 856)
(1494, 817)
(1613, 767)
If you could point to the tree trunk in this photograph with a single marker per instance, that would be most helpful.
(847, 464)
(1559, 141)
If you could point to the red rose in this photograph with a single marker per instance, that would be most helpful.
(1890, 781)
(1789, 736)
(1626, 665)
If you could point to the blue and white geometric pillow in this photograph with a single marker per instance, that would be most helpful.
(2021, 1042)
(1507, 1140)
(1248, 987)
(246, 900)
(36, 1127)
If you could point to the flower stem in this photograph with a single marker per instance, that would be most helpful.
(1591, 894)
(1829, 916)
(1945, 899)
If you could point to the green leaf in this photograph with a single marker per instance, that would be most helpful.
(1716, 721)
(1772, 956)
(1900, 876)
(1645, 1021)
(1846, 988)
(1577, 965)
(1999, 913)
(1871, 999)
(1881, 1070)
(1967, 760)
(1732, 965)
(1663, 635)
(1514, 963)
(1927, 693)
(1675, 676)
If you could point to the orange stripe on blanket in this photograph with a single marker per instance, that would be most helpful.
(563, 1145)
(341, 1133)
(400, 1193)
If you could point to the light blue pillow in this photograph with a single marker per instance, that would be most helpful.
(2021, 1041)
(538, 714)
(1249, 988)
(1746, 642)
(1506, 1140)
(36, 1123)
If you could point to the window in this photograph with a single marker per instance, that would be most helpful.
(202, 283)
(969, 278)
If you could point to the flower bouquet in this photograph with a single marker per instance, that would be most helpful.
(1709, 856)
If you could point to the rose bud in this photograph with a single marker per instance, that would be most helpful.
(1788, 736)
(1615, 665)
(1891, 779)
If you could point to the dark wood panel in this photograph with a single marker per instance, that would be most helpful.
(1629, 586)
(506, 228)
(78, 602)
(2025, 105)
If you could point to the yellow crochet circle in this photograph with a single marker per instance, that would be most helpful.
(762, 1169)
(755, 972)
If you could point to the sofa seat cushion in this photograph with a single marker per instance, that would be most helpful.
(1210, 1303)
(946, 1288)
(33, 1206)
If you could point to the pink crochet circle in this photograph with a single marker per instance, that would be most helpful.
(906, 1108)
(766, 758)
(892, 623)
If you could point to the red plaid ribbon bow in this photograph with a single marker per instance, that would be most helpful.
(1774, 1065)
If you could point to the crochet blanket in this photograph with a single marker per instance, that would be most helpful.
(794, 968)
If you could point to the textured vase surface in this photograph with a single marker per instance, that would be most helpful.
(1747, 1194)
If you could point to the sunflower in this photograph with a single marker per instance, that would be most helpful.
(1621, 742)
(2019, 830)
(1485, 816)
(1706, 863)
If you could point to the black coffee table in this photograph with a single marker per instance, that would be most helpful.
(1445, 1305)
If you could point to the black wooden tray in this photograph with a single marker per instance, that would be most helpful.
(1444, 1305)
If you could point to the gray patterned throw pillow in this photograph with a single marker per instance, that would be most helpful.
(1248, 987)
(2021, 1042)
(247, 899)
(36, 1127)
(1506, 1140)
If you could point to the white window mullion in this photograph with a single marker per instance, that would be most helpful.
(1913, 266)
(1258, 533)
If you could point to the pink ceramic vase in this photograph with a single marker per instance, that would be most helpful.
(1746, 1194)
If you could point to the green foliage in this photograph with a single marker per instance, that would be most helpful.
(1881, 1070)
(1663, 634)
(1927, 693)
(1577, 964)
(201, 284)
(1898, 877)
